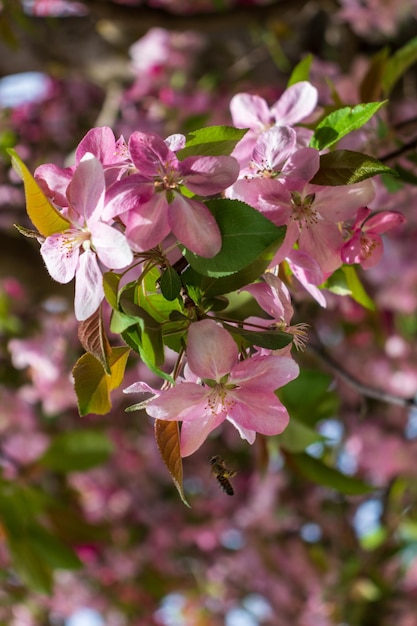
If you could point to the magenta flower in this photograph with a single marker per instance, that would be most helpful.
(78, 250)
(365, 243)
(151, 204)
(219, 387)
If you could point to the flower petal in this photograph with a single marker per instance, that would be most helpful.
(261, 412)
(89, 290)
(148, 225)
(111, 246)
(150, 154)
(185, 401)
(194, 226)
(249, 111)
(208, 175)
(296, 103)
(211, 351)
(60, 253)
(194, 433)
(86, 190)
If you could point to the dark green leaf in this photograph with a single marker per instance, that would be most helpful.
(315, 470)
(246, 234)
(51, 550)
(370, 88)
(308, 398)
(271, 339)
(30, 567)
(77, 450)
(111, 283)
(345, 167)
(297, 436)
(170, 283)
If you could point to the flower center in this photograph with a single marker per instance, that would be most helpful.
(220, 400)
(303, 210)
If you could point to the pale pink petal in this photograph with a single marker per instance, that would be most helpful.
(261, 374)
(323, 243)
(274, 147)
(249, 111)
(340, 203)
(194, 433)
(302, 164)
(194, 226)
(208, 175)
(89, 290)
(60, 253)
(141, 387)
(211, 351)
(185, 401)
(110, 245)
(86, 190)
(54, 182)
(148, 225)
(246, 433)
(175, 142)
(309, 274)
(261, 412)
(297, 102)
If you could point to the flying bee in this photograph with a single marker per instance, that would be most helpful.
(222, 474)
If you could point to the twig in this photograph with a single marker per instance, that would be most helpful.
(365, 390)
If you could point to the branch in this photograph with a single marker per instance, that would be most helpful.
(410, 145)
(365, 390)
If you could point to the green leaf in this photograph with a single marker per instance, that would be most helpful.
(357, 290)
(211, 286)
(271, 339)
(170, 283)
(111, 282)
(341, 122)
(41, 212)
(246, 234)
(167, 436)
(297, 436)
(337, 283)
(32, 570)
(151, 347)
(308, 398)
(77, 451)
(405, 174)
(315, 470)
(212, 141)
(51, 550)
(345, 167)
(93, 385)
(301, 71)
(397, 65)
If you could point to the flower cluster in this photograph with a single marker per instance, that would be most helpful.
(236, 204)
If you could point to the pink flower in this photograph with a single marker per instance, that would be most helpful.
(274, 298)
(78, 250)
(312, 213)
(365, 243)
(151, 204)
(219, 387)
(251, 111)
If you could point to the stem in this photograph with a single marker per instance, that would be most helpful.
(365, 390)
(399, 151)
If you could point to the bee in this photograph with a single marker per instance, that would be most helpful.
(222, 474)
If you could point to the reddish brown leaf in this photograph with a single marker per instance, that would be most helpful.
(94, 340)
(167, 437)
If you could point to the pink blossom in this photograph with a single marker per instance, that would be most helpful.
(241, 392)
(364, 245)
(151, 204)
(274, 298)
(78, 250)
(312, 213)
(251, 111)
